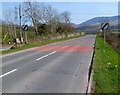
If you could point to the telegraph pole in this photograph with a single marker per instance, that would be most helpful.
(20, 21)
(16, 19)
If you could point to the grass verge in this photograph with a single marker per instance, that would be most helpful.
(105, 78)
(35, 45)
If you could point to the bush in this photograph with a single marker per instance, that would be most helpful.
(114, 41)
(43, 29)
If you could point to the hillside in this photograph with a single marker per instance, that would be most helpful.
(100, 20)
(94, 24)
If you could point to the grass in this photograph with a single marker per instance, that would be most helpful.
(35, 45)
(105, 67)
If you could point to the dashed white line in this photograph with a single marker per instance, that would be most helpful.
(49, 54)
(8, 73)
(46, 55)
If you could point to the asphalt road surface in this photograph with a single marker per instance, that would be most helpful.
(60, 67)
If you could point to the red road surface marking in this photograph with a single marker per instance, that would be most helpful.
(45, 48)
(67, 49)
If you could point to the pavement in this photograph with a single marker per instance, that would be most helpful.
(2, 48)
(61, 67)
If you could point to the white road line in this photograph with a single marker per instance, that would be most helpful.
(46, 55)
(65, 46)
(8, 73)
(49, 54)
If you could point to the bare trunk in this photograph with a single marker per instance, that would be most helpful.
(36, 32)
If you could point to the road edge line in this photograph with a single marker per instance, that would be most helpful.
(91, 72)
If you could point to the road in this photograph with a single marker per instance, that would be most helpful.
(60, 67)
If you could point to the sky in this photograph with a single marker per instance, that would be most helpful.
(80, 11)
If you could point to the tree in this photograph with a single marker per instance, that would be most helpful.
(10, 20)
(51, 18)
(33, 12)
(66, 17)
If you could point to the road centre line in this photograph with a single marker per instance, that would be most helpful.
(65, 46)
(49, 54)
(46, 55)
(8, 73)
(36, 59)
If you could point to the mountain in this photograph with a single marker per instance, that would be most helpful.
(94, 24)
(97, 20)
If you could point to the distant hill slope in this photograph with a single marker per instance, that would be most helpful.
(94, 24)
(100, 20)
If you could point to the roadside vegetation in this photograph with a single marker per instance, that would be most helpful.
(113, 40)
(105, 78)
(43, 22)
(31, 36)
